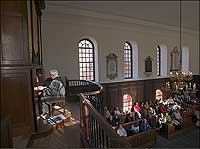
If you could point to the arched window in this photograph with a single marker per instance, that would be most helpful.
(158, 94)
(185, 59)
(86, 60)
(128, 62)
(127, 103)
(158, 60)
(161, 59)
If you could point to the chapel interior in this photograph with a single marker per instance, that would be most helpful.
(130, 72)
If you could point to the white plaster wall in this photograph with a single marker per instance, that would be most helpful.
(62, 32)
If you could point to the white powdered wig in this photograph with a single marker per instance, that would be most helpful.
(54, 72)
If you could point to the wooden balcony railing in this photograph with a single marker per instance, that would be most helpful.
(74, 87)
(95, 130)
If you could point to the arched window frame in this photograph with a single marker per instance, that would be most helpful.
(128, 59)
(127, 103)
(82, 60)
(163, 61)
(158, 58)
(185, 59)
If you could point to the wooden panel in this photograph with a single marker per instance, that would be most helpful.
(12, 40)
(6, 140)
(141, 91)
(114, 97)
(148, 91)
(13, 28)
(13, 8)
(16, 99)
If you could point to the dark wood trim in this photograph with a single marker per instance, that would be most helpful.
(20, 66)
(40, 35)
(38, 39)
(140, 90)
(32, 38)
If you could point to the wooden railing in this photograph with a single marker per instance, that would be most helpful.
(74, 87)
(95, 130)
(92, 91)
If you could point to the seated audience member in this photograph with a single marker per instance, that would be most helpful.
(128, 118)
(177, 116)
(177, 119)
(184, 98)
(116, 112)
(108, 116)
(146, 109)
(146, 105)
(137, 109)
(53, 88)
(187, 97)
(165, 102)
(151, 112)
(121, 131)
(170, 101)
(161, 120)
(115, 120)
(144, 125)
(168, 118)
(157, 101)
(152, 117)
(162, 109)
(141, 106)
(135, 128)
(175, 106)
(197, 115)
(176, 98)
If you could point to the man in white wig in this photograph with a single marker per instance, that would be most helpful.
(53, 88)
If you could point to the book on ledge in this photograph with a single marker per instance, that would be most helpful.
(56, 119)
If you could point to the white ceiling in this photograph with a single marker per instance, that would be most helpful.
(163, 12)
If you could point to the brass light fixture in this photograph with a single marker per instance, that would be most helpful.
(179, 82)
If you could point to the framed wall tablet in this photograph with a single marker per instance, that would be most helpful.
(111, 62)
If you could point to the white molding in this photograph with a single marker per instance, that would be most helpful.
(54, 9)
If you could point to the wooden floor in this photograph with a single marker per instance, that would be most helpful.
(62, 137)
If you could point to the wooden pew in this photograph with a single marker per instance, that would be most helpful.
(167, 130)
(141, 139)
(187, 119)
(123, 117)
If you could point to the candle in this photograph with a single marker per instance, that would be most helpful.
(194, 87)
(190, 85)
(186, 87)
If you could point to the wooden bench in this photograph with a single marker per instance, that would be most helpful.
(123, 117)
(187, 119)
(141, 139)
(167, 130)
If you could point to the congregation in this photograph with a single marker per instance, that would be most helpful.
(147, 115)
